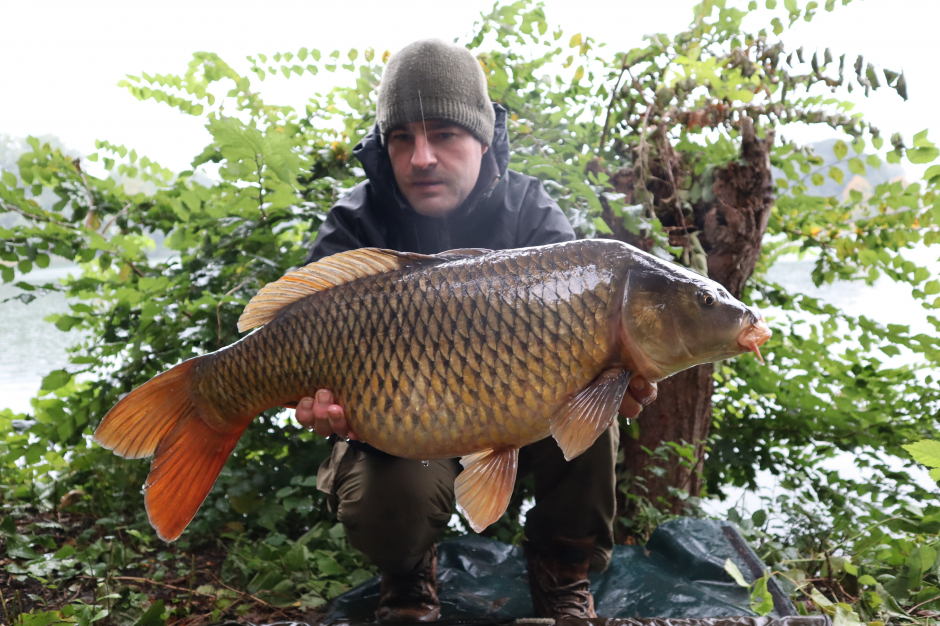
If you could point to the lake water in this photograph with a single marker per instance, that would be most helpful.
(30, 348)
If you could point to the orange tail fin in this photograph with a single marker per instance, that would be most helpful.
(159, 418)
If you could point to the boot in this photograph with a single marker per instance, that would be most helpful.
(558, 578)
(411, 597)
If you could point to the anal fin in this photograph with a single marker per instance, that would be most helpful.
(578, 423)
(485, 485)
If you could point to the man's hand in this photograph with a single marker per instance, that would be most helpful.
(323, 416)
(326, 418)
(639, 394)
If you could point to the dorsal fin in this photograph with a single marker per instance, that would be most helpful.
(332, 271)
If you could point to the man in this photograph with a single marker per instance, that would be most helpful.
(438, 179)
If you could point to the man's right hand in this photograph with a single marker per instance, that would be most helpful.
(323, 416)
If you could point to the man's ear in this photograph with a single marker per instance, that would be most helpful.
(485, 148)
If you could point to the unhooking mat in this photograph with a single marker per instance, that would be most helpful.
(680, 573)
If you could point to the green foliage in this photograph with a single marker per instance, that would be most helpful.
(927, 452)
(583, 119)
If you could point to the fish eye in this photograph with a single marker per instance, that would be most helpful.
(708, 299)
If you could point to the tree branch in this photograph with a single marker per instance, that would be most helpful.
(16, 209)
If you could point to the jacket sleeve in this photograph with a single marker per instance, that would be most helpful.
(346, 227)
(542, 221)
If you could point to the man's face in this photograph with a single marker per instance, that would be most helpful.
(435, 170)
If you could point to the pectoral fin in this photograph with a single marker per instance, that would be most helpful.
(581, 420)
(484, 486)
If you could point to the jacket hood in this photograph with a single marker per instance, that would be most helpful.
(489, 190)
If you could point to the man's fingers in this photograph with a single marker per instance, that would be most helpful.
(304, 412)
(629, 407)
(323, 428)
(643, 390)
(641, 393)
(322, 404)
(337, 420)
(323, 415)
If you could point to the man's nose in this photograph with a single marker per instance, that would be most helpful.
(423, 156)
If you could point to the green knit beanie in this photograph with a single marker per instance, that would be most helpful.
(451, 83)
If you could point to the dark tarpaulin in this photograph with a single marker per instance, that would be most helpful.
(678, 579)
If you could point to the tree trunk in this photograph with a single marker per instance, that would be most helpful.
(730, 229)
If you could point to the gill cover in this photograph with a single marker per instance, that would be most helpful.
(674, 319)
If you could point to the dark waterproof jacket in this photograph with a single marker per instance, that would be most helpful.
(505, 210)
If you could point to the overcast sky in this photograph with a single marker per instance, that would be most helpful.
(60, 61)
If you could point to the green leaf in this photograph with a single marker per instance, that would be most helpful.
(836, 174)
(762, 602)
(735, 573)
(865, 579)
(932, 174)
(919, 156)
(771, 4)
(857, 167)
(56, 380)
(9, 179)
(921, 141)
(845, 617)
(759, 517)
(818, 179)
(840, 150)
(602, 226)
(926, 452)
(850, 568)
(578, 74)
(575, 41)
(153, 616)
(820, 600)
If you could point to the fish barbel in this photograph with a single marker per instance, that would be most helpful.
(468, 353)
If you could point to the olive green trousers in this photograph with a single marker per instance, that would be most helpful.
(393, 509)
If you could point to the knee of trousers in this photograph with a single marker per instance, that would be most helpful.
(393, 510)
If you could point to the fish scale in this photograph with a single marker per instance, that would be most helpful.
(386, 344)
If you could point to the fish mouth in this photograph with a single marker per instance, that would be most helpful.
(754, 336)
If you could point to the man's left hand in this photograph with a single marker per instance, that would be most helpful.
(639, 394)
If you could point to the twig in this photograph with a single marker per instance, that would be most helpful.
(136, 271)
(218, 314)
(77, 593)
(917, 606)
(5, 611)
(610, 105)
(108, 225)
(245, 593)
(643, 162)
(16, 209)
(192, 575)
(91, 200)
(260, 164)
(156, 582)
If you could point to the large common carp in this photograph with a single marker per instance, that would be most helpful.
(467, 353)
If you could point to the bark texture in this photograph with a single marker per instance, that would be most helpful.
(729, 228)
